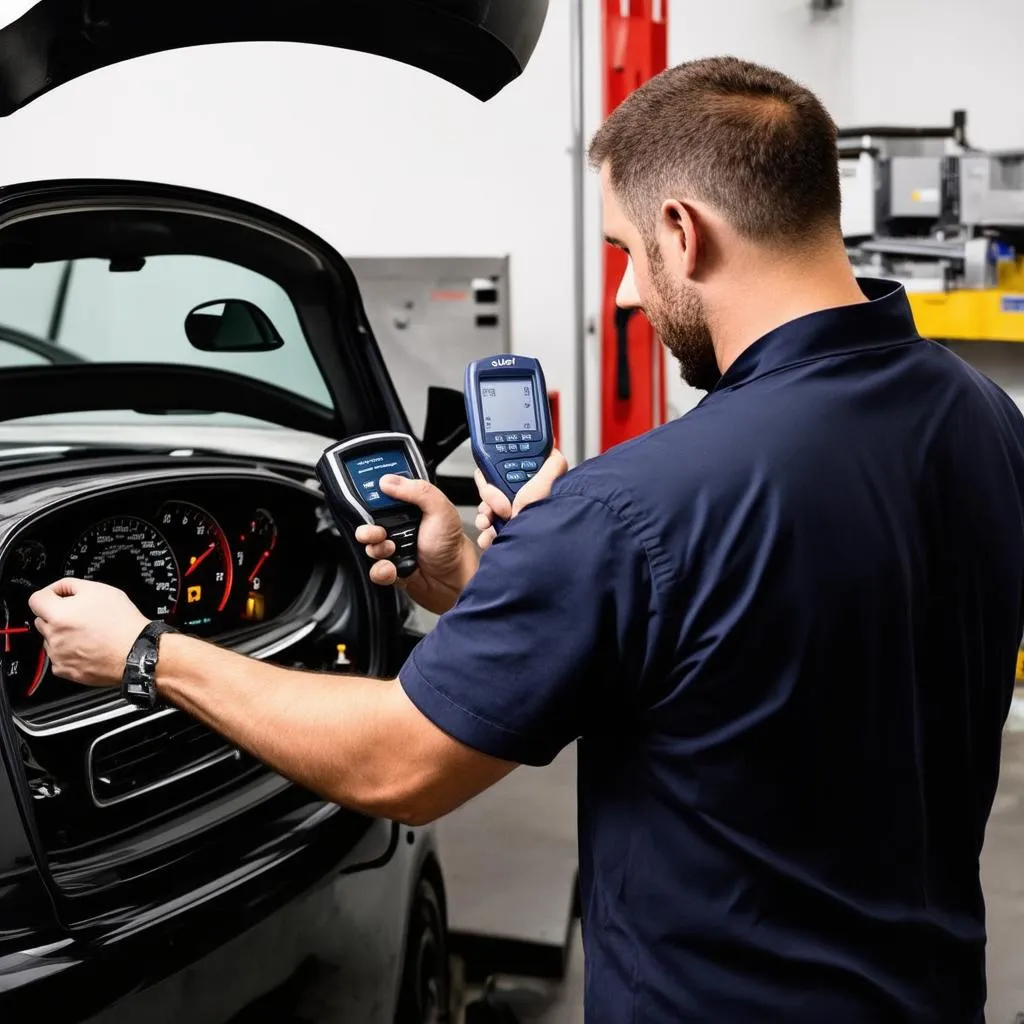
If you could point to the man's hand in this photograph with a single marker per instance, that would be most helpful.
(446, 556)
(495, 504)
(87, 628)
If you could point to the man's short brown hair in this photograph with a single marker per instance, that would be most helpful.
(758, 147)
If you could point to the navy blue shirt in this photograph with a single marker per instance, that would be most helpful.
(784, 629)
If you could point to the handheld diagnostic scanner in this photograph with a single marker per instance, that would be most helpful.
(509, 420)
(350, 473)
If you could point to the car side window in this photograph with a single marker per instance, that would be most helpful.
(136, 313)
(12, 355)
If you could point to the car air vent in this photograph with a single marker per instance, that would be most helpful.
(158, 751)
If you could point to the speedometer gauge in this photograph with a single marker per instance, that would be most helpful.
(133, 556)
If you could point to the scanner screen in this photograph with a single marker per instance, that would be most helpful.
(508, 405)
(366, 471)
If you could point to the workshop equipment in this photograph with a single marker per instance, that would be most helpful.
(922, 207)
(633, 396)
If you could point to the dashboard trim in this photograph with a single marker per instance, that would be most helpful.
(231, 753)
(117, 707)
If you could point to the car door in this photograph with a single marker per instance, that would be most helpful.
(478, 46)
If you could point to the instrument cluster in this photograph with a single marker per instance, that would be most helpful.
(209, 558)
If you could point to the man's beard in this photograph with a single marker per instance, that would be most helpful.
(678, 316)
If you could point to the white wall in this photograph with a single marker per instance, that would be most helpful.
(379, 158)
(915, 61)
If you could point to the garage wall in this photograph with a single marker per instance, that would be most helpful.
(915, 61)
(379, 158)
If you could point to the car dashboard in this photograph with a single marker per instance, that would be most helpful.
(242, 553)
(214, 558)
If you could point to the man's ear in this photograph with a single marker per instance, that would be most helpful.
(678, 237)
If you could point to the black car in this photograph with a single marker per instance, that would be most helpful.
(171, 364)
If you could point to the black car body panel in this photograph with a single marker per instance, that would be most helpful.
(478, 45)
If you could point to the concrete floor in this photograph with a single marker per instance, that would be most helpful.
(487, 837)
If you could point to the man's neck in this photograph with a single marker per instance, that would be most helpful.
(775, 296)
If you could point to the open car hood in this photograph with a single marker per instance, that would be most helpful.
(478, 45)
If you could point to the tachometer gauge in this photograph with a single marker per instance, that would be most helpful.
(132, 555)
(22, 658)
(204, 558)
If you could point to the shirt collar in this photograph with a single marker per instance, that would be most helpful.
(886, 319)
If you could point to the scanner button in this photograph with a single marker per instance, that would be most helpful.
(502, 448)
(516, 477)
(527, 437)
(499, 438)
(511, 437)
(529, 464)
(513, 464)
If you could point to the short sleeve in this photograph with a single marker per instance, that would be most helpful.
(554, 628)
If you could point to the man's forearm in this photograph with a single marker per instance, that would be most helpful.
(326, 732)
(357, 742)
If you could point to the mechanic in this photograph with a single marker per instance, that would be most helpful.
(783, 627)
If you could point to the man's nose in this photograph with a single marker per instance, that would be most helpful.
(628, 297)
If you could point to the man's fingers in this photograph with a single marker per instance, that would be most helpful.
(421, 493)
(67, 587)
(483, 522)
(385, 550)
(494, 501)
(384, 574)
(44, 603)
(371, 534)
(486, 539)
(539, 487)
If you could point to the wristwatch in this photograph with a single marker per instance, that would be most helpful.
(138, 683)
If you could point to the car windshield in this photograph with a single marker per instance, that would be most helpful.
(92, 311)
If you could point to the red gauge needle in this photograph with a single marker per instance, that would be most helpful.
(259, 565)
(8, 633)
(196, 562)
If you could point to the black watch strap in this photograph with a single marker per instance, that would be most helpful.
(138, 683)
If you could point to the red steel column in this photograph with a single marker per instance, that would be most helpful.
(633, 396)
